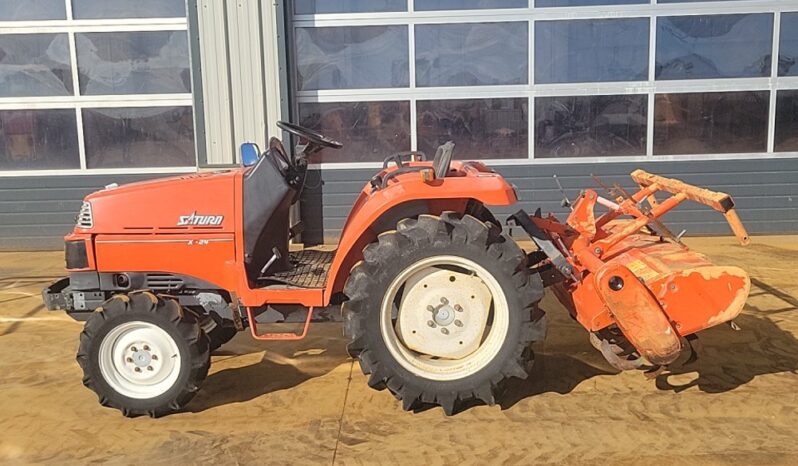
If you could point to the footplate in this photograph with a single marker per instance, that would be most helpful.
(309, 269)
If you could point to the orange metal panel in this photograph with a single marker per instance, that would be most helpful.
(466, 181)
(205, 256)
(201, 202)
(637, 313)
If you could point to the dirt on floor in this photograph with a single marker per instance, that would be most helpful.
(307, 402)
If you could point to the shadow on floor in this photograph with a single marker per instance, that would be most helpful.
(765, 289)
(726, 360)
(15, 325)
(552, 373)
(246, 383)
(729, 359)
(299, 362)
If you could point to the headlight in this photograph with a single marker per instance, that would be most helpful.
(85, 218)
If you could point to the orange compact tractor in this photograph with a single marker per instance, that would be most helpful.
(441, 306)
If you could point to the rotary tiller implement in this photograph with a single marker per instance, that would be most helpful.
(631, 283)
(440, 305)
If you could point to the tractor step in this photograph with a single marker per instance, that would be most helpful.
(253, 328)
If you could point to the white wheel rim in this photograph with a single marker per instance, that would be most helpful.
(424, 365)
(139, 360)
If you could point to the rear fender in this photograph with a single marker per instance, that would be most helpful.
(378, 211)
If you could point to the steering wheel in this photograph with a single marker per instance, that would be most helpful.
(312, 136)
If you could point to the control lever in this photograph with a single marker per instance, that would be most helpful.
(275, 257)
(565, 201)
(296, 230)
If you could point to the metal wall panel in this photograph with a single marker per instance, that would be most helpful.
(240, 74)
(36, 212)
(216, 93)
(766, 193)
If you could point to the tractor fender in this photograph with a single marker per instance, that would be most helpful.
(377, 211)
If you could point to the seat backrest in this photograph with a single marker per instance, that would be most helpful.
(267, 204)
(443, 159)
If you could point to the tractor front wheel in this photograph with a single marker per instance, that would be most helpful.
(224, 331)
(443, 311)
(143, 355)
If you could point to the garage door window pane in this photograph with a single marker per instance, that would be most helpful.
(544, 3)
(787, 121)
(100, 9)
(38, 139)
(305, 7)
(471, 54)
(133, 63)
(590, 126)
(29, 10)
(369, 131)
(788, 49)
(720, 46)
(34, 65)
(591, 50)
(481, 128)
(711, 123)
(352, 57)
(429, 5)
(139, 137)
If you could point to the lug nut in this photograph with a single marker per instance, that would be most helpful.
(154, 357)
(431, 323)
(133, 349)
(458, 323)
(430, 308)
(444, 331)
(129, 359)
(149, 368)
(458, 308)
(138, 369)
(146, 348)
(444, 301)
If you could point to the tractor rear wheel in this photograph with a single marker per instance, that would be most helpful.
(143, 355)
(442, 311)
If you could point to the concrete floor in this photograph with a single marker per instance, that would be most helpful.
(306, 402)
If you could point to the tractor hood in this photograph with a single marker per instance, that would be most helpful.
(195, 202)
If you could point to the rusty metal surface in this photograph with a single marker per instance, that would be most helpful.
(638, 314)
(718, 201)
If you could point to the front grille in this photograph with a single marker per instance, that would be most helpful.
(85, 218)
(163, 282)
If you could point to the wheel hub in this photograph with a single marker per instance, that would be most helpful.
(142, 358)
(432, 318)
(139, 360)
(444, 315)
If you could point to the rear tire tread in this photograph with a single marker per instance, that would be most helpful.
(449, 228)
